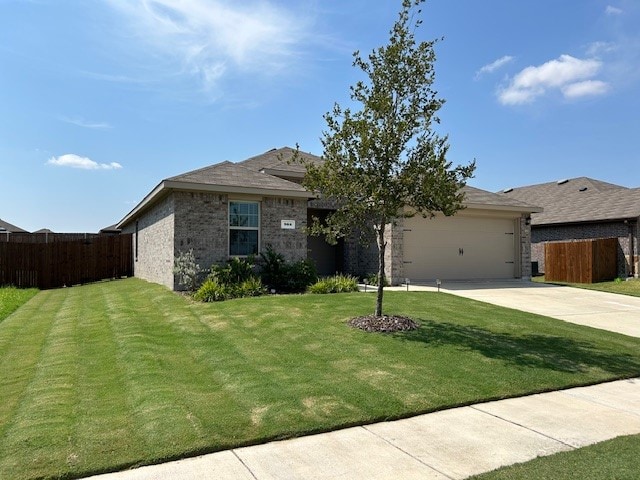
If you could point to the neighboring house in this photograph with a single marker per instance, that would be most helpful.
(7, 227)
(237, 209)
(583, 208)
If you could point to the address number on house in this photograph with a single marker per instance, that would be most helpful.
(288, 224)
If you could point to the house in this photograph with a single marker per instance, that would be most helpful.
(237, 209)
(7, 227)
(583, 208)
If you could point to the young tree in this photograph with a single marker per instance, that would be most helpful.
(384, 161)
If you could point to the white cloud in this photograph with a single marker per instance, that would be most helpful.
(596, 49)
(611, 10)
(586, 88)
(80, 122)
(493, 66)
(75, 161)
(560, 74)
(210, 38)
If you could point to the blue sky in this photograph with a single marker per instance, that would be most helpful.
(101, 99)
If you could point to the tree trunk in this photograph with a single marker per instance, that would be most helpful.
(381, 248)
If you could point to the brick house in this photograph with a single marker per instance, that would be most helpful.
(583, 208)
(237, 209)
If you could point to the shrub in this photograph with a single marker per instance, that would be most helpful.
(335, 284)
(300, 275)
(236, 271)
(252, 287)
(187, 270)
(281, 276)
(212, 291)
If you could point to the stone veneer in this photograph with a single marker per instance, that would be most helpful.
(557, 233)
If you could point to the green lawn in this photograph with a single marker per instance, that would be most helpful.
(623, 287)
(613, 459)
(11, 298)
(105, 376)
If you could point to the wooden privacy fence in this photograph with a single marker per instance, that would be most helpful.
(581, 261)
(65, 263)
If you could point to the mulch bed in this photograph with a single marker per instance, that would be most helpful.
(384, 323)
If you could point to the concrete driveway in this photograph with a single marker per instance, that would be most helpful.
(607, 311)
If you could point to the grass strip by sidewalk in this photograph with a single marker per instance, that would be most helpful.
(613, 459)
(105, 376)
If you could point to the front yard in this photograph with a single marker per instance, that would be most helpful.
(105, 376)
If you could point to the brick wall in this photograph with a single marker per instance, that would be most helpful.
(619, 230)
(201, 224)
(525, 247)
(153, 253)
(290, 243)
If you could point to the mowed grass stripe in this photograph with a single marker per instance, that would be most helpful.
(42, 422)
(103, 422)
(21, 342)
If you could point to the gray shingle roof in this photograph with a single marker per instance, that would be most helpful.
(228, 174)
(579, 199)
(277, 159)
(7, 227)
(476, 196)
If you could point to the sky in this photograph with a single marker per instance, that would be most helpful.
(102, 99)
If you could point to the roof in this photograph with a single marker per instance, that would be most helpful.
(269, 174)
(475, 197)
(247, 177)
(578, 200)
(277, 160)
(7, 227)
(228, 174)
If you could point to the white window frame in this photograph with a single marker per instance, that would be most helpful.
(230, 227)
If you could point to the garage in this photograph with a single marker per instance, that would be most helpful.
(469, 245)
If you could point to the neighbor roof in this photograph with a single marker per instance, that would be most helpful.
(578, 200)
(7, 227)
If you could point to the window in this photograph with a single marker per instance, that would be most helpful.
(244, 228)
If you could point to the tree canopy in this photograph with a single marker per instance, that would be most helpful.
(384, 160)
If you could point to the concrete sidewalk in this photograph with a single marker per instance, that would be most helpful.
(451, 444)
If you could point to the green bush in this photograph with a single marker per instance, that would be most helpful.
(335, 284)
(281, 276)
(252, 287)
(234, 272)
(212, 291)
